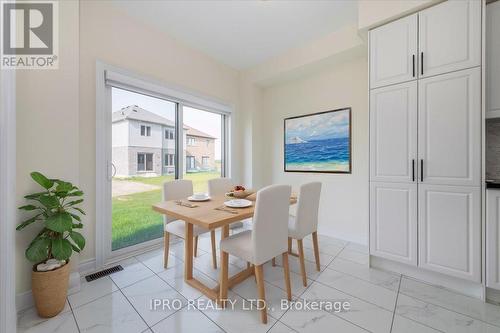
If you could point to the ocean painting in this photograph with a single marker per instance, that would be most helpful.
(319, 142)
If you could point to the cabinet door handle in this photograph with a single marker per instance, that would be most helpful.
(413, 170)
(421, 170)
(413, 64)
(422, 63)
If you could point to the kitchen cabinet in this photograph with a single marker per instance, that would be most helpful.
(449, 128)
(493, 60)
(393, 135)
(493, 238)
(425, 140)
(441, 39)
(393, 221)
(449, 37)
(393, 52)
(449, 230)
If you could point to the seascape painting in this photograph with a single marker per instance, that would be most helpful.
(319, 142)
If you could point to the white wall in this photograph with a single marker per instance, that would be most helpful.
(56, 108)
(344, 199)
(109, 34)
(372, 13)
(47, 127)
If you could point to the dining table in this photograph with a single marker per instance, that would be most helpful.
(210, 214)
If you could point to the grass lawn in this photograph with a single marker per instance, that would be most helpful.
(133, 219)
(199, 180)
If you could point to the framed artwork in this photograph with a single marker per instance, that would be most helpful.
(318, 142)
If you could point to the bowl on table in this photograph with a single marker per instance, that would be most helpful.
(199, 197)
(239, 192)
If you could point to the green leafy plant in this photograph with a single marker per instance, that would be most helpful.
(57, 209)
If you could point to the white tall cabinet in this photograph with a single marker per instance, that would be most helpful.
(493, 238)
(425, 140)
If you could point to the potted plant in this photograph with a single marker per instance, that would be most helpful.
(56, 208)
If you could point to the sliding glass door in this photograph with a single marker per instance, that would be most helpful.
(151, 139)
(143, 158)
(203, 132)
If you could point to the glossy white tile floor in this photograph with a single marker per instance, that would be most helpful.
(380, 301)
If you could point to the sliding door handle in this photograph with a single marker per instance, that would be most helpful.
(421, 170)
(413, 64)
(421, 63)
(413, 170)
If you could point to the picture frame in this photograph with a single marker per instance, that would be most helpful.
(319, 142)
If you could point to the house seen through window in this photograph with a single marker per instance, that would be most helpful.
(145, 130)
(169, 134)
(169, 159)
(141, 166)
(144, 162)
(190, 163)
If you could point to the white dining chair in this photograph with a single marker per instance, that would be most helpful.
(304, 223)
(178, 190)
(266, 240)
(219, 187)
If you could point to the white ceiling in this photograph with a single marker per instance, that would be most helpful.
(242, 34)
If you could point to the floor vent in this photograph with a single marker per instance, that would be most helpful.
(103, 273)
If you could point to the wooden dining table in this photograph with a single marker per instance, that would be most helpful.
(210, 214)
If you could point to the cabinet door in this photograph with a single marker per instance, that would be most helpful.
(449, 37)
(393, 52)
(449, 230)
(492, 60)
(393, 133)
(449, 128)
(493, 239)
(393, 221)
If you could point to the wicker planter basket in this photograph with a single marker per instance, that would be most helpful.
(49, 290)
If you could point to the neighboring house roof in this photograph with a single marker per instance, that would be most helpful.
(194, 132)
(135, 112)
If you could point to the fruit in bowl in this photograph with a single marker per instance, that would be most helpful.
(238, 192)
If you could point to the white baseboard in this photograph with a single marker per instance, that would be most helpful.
(469, 288)
(25, 300)
(87, 266)
(346, 237)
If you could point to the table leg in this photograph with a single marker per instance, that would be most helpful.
(225, 232)
(212, 293)
(188, 252)
(224, 258)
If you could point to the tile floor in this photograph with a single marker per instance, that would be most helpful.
(380, 301)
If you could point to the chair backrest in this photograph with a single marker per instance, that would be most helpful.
(270, 222)
(307, 208)
(219, 186)
(176, 190)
